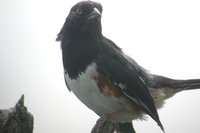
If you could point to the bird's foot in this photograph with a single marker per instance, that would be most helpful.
(103, 125)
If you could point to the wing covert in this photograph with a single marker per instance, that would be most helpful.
(123, 74)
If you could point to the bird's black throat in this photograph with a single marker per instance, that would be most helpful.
(78, 54)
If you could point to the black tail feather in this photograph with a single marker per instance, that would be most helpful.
(163, 82)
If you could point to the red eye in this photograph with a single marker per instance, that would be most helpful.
(79, 11)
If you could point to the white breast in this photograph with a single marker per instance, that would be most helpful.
(86, 89)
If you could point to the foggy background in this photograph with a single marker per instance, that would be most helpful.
(162, 36)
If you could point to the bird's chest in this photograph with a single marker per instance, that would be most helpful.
(77, 55)
(92, 91)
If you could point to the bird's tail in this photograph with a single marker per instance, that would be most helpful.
(163, 82)
(163, 88)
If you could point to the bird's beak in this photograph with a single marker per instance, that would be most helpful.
(94, 14)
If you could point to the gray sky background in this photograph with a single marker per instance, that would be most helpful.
(162, 36)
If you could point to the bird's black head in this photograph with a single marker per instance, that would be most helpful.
(83, 20)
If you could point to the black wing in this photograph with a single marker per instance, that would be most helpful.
(123, 74)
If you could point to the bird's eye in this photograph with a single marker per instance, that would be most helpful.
(79, 11)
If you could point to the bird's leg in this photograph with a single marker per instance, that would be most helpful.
(108, 123)
(103, 125)
(125, 128)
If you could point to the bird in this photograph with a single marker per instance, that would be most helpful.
(104, 78)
